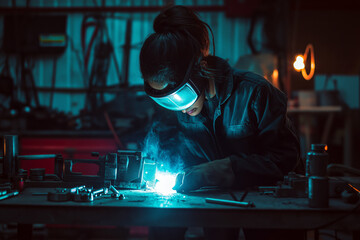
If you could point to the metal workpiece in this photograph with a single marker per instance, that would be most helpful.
(110, 170)
(59, 195)
(123, 169)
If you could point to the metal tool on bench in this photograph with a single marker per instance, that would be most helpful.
(123, 169)
(82, 194)
(315, 181)
(295, 185)
(89, 195)
(63, 194)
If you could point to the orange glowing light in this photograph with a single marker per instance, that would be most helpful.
(299, 64)
(275, 78)
(326, 148)
(357, 190)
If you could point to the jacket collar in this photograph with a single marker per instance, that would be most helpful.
(223, 78)
(223, 85)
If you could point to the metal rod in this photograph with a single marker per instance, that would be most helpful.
(229, 202)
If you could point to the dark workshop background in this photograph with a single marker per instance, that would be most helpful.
(70, 81)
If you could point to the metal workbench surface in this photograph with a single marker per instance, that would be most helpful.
(148, 208)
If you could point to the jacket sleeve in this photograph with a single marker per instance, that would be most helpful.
(278, 145)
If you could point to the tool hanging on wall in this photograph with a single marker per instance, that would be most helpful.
(6, 85)
(28, 84)
(103, 50)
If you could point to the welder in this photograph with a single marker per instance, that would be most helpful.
(234, 123)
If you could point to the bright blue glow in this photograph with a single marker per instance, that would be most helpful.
(165, 181)
(177, 97)
(179, 100)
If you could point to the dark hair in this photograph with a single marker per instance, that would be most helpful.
(180, 36)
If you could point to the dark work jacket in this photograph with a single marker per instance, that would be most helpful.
(249, 125)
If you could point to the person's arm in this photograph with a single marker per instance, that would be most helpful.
(277, 142)
(278, 150)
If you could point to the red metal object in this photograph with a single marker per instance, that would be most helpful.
(69, 148)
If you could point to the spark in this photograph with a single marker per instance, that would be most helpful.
(165, 181)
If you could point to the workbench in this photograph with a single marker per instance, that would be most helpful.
(147, 208)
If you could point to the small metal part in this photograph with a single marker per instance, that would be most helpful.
(229, 202)
(77, 189)
(115, 192)
(59, 195)
(84, 197)
(89, 195)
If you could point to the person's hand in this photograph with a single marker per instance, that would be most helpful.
(214, 173)
(179, 180)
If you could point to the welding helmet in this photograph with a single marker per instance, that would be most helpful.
(180, 96)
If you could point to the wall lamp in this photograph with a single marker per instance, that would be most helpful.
(299, 64)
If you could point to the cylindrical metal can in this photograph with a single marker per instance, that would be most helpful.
(317, 160)
(10, 161)
(318, 192)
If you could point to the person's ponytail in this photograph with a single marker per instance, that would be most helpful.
(183, 21)
(180, 36)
